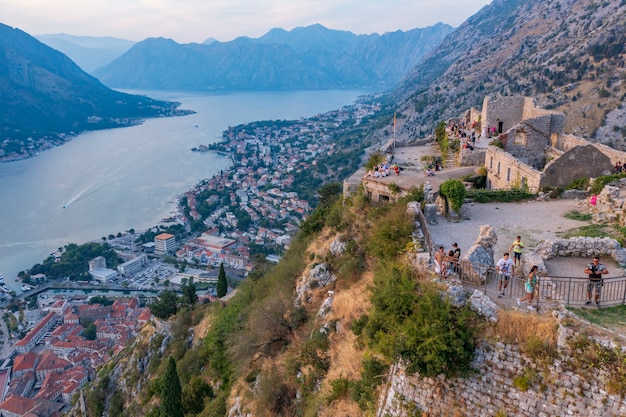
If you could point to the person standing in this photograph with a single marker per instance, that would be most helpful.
(504, 269)
(457, 257)
(456, 250)
(530, 286)
(440, 256)
(595, 270)
(516, 248)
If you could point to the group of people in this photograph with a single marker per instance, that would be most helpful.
(619, 167)
(383, 170)
(505, 268)
(447, 262)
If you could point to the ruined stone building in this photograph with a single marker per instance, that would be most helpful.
(534, 152)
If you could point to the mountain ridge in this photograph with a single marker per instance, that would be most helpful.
(47, 98)
(304, 58)
(539, 49)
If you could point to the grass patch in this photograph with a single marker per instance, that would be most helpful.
(591, 230)
(609, 317)
(577, 215)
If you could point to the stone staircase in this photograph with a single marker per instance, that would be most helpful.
(450, 160)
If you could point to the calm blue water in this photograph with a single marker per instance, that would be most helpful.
(113, 180)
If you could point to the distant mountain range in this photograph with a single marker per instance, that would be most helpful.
(312, 57)
(46, 98)
(568, 55)
(88, 52)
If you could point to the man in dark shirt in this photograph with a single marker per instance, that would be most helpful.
(595, 270)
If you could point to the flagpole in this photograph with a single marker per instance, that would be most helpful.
(394, 132)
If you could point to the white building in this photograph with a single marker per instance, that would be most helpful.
(133, 266)
(164, 244)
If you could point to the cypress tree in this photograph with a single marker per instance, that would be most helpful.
(222, 284)
(171, 394)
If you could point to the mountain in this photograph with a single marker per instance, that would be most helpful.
(46, 98)
(304, 58)
(88, 52)
(568, 55)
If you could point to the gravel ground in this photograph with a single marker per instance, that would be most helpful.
(534, 221)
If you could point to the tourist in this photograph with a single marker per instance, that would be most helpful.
(439, 261)
(517, 247)
(450, 262)
(504, 269)
(530, 286)
(595, 270)
(457, 251)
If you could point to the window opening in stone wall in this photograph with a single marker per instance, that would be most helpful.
(500, 126)
(508, 174)
(520, 138)
(491, 162)
(498, 172)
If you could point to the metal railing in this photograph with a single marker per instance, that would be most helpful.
(571, 291)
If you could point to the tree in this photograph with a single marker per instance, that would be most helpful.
(189, 297)
(194, 395)
(166, 306)
(171, 392)
(90, 332)
(222, 284)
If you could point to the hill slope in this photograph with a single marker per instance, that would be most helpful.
(304, 58)
(46, 98)
(567, 54)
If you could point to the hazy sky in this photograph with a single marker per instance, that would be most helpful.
(196, 20)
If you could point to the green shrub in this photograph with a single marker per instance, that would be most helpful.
(521, 383)
(414, 194)
(599, 183)
(374, 159)
(340, 388)
(391, 230)
(503, 196)
(418, 325)
(578, 184)
(454, 191)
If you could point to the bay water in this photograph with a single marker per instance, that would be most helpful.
(109, 181)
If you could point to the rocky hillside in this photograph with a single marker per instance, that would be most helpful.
(304, 58)
(47, 98)
(568, 54)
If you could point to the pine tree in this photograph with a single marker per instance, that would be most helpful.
(171, 394)
(222, 284)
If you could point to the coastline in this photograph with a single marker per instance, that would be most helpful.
(173, 137)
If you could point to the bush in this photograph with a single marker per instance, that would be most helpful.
(454, 191)
(391, 231)
(503, 196)
(599, 183)
(521, 383)
(578, 184)
(418, 325)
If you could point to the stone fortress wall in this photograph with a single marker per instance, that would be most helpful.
(491, 390)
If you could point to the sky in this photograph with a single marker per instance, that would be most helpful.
(187, 21)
